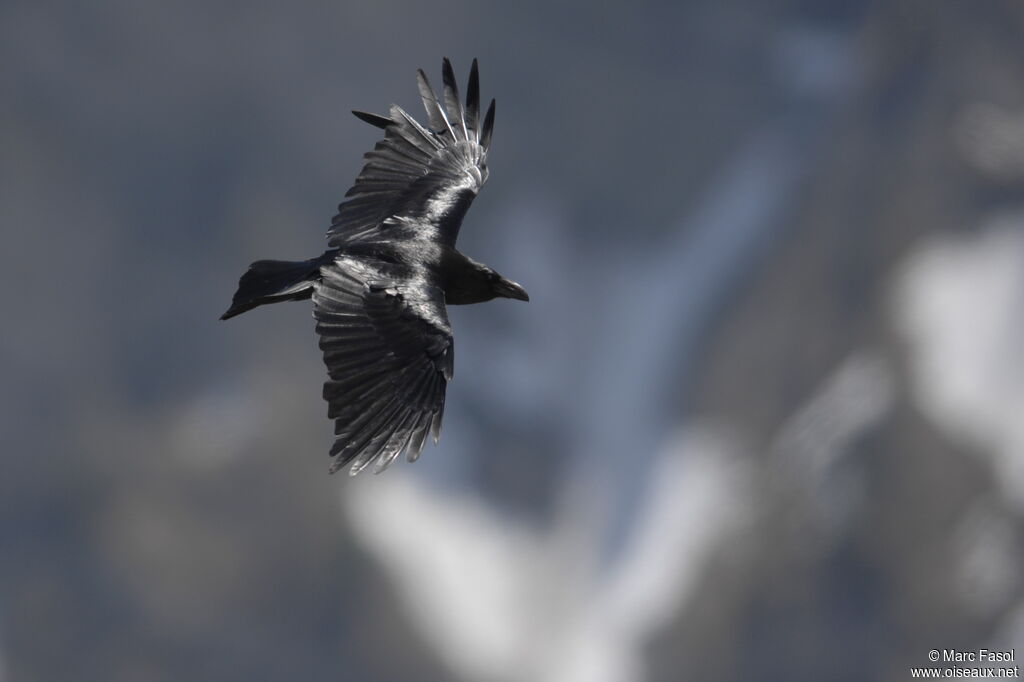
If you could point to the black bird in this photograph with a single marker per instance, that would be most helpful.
(379, 294)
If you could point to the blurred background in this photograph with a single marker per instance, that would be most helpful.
(760, 421)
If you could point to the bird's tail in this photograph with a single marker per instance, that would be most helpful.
(270, 281)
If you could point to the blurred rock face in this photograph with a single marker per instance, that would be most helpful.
(760, 416)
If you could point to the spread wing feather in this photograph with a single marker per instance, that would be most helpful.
(451, 99)
(419, 182)
(473, 102)
(388, 348)
(436, 116)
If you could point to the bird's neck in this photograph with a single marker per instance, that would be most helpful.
(464, 280)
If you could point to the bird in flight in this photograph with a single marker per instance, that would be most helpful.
(379, 293)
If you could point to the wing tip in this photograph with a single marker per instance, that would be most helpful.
(488, 127)
(435, 425)
(473, 100)
(375, 120)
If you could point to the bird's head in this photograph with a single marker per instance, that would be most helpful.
(506, 288)
(466, 281)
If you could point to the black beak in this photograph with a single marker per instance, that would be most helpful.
(509, 289)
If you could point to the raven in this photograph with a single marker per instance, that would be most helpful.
(379, 293)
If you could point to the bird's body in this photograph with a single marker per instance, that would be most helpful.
(379, 294)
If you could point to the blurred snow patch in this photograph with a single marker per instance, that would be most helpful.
(698, 499)
(984, 545)
(856, 396)
(991, 138)
(959, 303)
(812, 443)
(462, 571)
(503, 601)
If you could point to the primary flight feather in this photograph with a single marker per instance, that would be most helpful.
(379, 294)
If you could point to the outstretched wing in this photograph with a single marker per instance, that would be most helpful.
(389, 353)
(419, 182)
